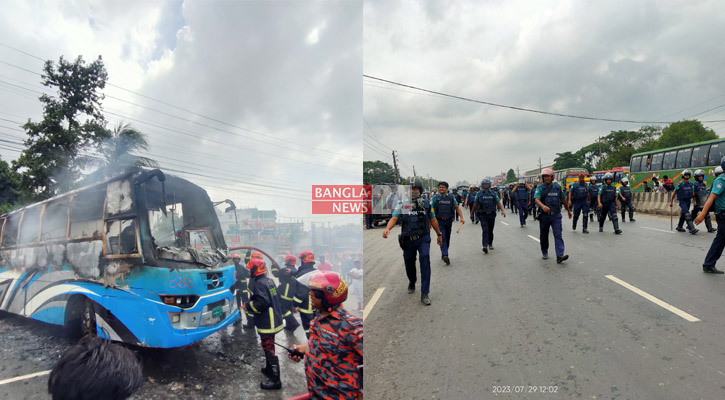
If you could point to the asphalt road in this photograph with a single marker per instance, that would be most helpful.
(511, 325)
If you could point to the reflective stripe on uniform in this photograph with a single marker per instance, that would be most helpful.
(287, 314)
(286, 292)
(251, 305)
(271, 323)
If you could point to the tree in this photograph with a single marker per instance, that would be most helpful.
(376, 172)
(683, 132)
(568, 159)
(116, 153)
(9, 188)
(510, 176)
(72, 121)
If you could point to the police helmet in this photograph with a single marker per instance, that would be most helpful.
(486, 182)
(718, 170)
(417, 183)
(699, 172)
(593, 179)
(686, 172)
(547, 171)
(625, 180)
(521, 180)
(608, 175)
(722, 163)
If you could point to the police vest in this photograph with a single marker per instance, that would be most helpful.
(701, 192)
(578, 192)
(626, 191)
(551, 196)
(513, 195)
(486, 202)
(444, 207)
(522, 193)
(685, 191)
(609, 193)
(268, 320)
(593, 192)
(416, 222)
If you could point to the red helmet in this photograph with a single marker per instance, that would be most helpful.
(256, 256)
(306, 256)
(236, 255)
(256, 267)
(547, 171)
(331, 285)
(289, 259)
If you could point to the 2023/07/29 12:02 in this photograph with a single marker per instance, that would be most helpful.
(524, 389)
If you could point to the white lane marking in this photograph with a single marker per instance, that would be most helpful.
(653, 299)
(372, 302)
(20, 378)
(504, 223)
(532, 237)
(654, 229)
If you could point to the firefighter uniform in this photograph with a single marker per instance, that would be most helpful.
(287, 289)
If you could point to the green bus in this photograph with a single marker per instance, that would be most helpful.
(672, 161)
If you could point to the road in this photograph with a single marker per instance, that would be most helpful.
(510, 321)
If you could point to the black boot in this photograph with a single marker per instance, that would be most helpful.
(631, 215)
(267, 370)
(591, 217)
(273, 381)
(585, 222)
(711, 270)
(708, 224)
(576, 218)
(623, 219)
(691, 227)
(615, 222)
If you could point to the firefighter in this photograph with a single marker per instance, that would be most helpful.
(265, 306)
(239, 288)
(302, 293)
(287, 289)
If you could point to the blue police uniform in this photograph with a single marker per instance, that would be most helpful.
(609, 206)
(580, 198)
(522, 202)
(626, 192)
(718, 244)
(684, 192)
(415, 240)
(445, 211)
(701, 195)
(486, 211)
(513, 203)
(551, 195)
(593, 189)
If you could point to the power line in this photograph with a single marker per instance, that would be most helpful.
(521, 108)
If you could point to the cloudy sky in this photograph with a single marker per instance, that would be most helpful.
(237, 94)
(642, 61)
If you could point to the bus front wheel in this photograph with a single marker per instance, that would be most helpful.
(81, 317)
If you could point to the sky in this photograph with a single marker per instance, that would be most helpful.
(640, 61)
(254, 101)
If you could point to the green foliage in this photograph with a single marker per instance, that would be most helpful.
(568, 159)
(9, 184)
(684, 132)
(375, 172)
(72, 121)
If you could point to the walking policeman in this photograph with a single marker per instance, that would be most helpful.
(607, 199)
(523, 200)
(513, 197)
(701, 195)
(716, 200)
(446, 208)
(485, 207)
(684, 192)
(580, 194)
(415, 238)
(549, 197)
(593, 189)
(624, 193)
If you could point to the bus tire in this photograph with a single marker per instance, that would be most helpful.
(80, 317)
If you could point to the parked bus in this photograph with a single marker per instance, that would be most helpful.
(672, 161)
(567, 176)
(139, 258)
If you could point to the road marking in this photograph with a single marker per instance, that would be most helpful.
(653, 229)
(504, 223)
(20, 378)
(534, 238)
(372, 302)
(653, 299)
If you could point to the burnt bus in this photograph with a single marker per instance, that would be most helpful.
(139, 258)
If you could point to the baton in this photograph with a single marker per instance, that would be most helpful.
(459, 227)
(670, 217)
(293, 352)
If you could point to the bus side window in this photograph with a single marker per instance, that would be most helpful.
(716, 154)
(10, 234)
(121, 237)
(30, 225)
(86, 213)
(55, 220)
(646, 161)
(669, 160)
(657, 162)
(683, 158)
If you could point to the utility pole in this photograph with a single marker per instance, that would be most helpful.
(600, 152)
(429, 187)
(539, 166)
(395, 165)
(414, 174)
(518, 174)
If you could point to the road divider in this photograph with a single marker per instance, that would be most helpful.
(372, 302)
(653, 299)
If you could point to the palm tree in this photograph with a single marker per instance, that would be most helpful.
(116, 153)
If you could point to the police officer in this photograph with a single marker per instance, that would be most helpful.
(445, 207)
(607, 200)
(534, 209)
(716, 199)
(457, 196)
(287, 289)
(264, 305)
(701, 195)
(685, 191)
(624, 193)
(505, 196)
(593, 189)
(302, 292)
(550, 216)
(513, 197)
(580, 194)
(470, 200)
(523, 200)
(485, 205)
(415, 238)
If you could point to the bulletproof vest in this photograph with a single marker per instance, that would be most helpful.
(701, 192)
(486, 201)
(593, 191)
(522, 193)
(626, 191)
(444, 207)
(609, 193)
(551, 196)
(578, 192)
(416, 222)
(685, 192)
